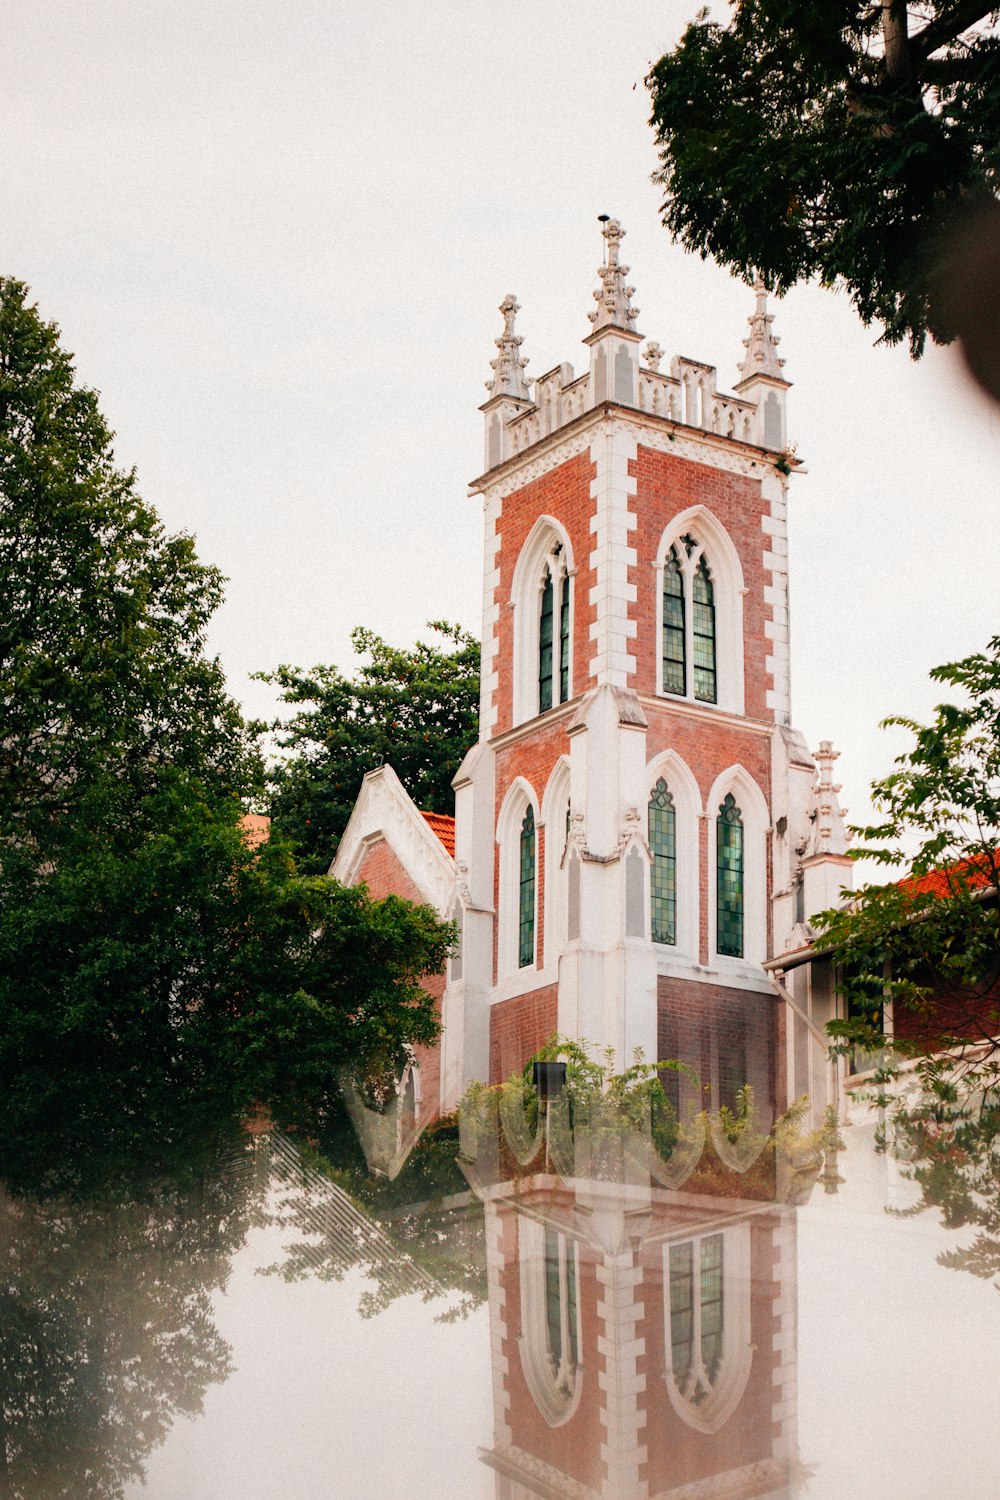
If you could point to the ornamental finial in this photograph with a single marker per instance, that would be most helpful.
(614, 305)
(761, 357)
(508, 367)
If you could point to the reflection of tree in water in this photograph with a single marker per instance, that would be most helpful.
(106, 1330)
(419, 1232)
(948, 1139)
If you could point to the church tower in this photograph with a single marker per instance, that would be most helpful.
(632, 824)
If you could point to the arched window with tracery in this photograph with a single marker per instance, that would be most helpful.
(708, 1325)
(542, 600)
(729, 879)
(526, 898)
(663, 871)
(550, 1341)
(690, 668)
(700, 600)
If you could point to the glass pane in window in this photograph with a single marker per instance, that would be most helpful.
(663, 874)
(681, 1310)
(545, 647)
(674, 665)
(553, 1301)
(564, 641)
(729, 869)
(711, 1305)
(703, 621)
(526, 911)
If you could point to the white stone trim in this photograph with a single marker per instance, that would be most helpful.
(775, 528)
(495, 1269)
(555, 800)
(520, 796)
(623, 1413)
(385, 810)
(756, 829)
(490, 677)
(719, 551)
(613, 491)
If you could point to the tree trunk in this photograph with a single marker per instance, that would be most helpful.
(896, 40)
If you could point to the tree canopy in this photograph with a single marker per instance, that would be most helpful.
(155, 967)
(929, 942)
(415, 709)
(842, 141)
(104, 680)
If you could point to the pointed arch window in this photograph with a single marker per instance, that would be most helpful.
(663, 872)
(707, 1306)
(689, 641)
(729, 879)
(542, 599)
(550, 1342)
(697, 1311)
(526, 903)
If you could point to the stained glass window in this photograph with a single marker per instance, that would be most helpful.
(729, 869)
(526, 907)
(674, 662)
(703, 621)
(545, 647)
(663, 874)
(564, 641)
(696, 1316)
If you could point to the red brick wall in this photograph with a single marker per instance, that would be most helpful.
(384, 875)
(667, 485)
(518, 1027)
(728, 1036)
(565, 495)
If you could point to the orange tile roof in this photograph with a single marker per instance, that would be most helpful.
(942, 882)
(444, 827)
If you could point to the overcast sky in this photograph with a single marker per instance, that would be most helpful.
(276, 236)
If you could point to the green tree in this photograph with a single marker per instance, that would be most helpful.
(154, 967)
(103, 674)
(842, 141)
(930, 941)
(417, 710)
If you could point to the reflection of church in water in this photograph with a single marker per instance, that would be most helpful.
(639, 834)
(643, 1337)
